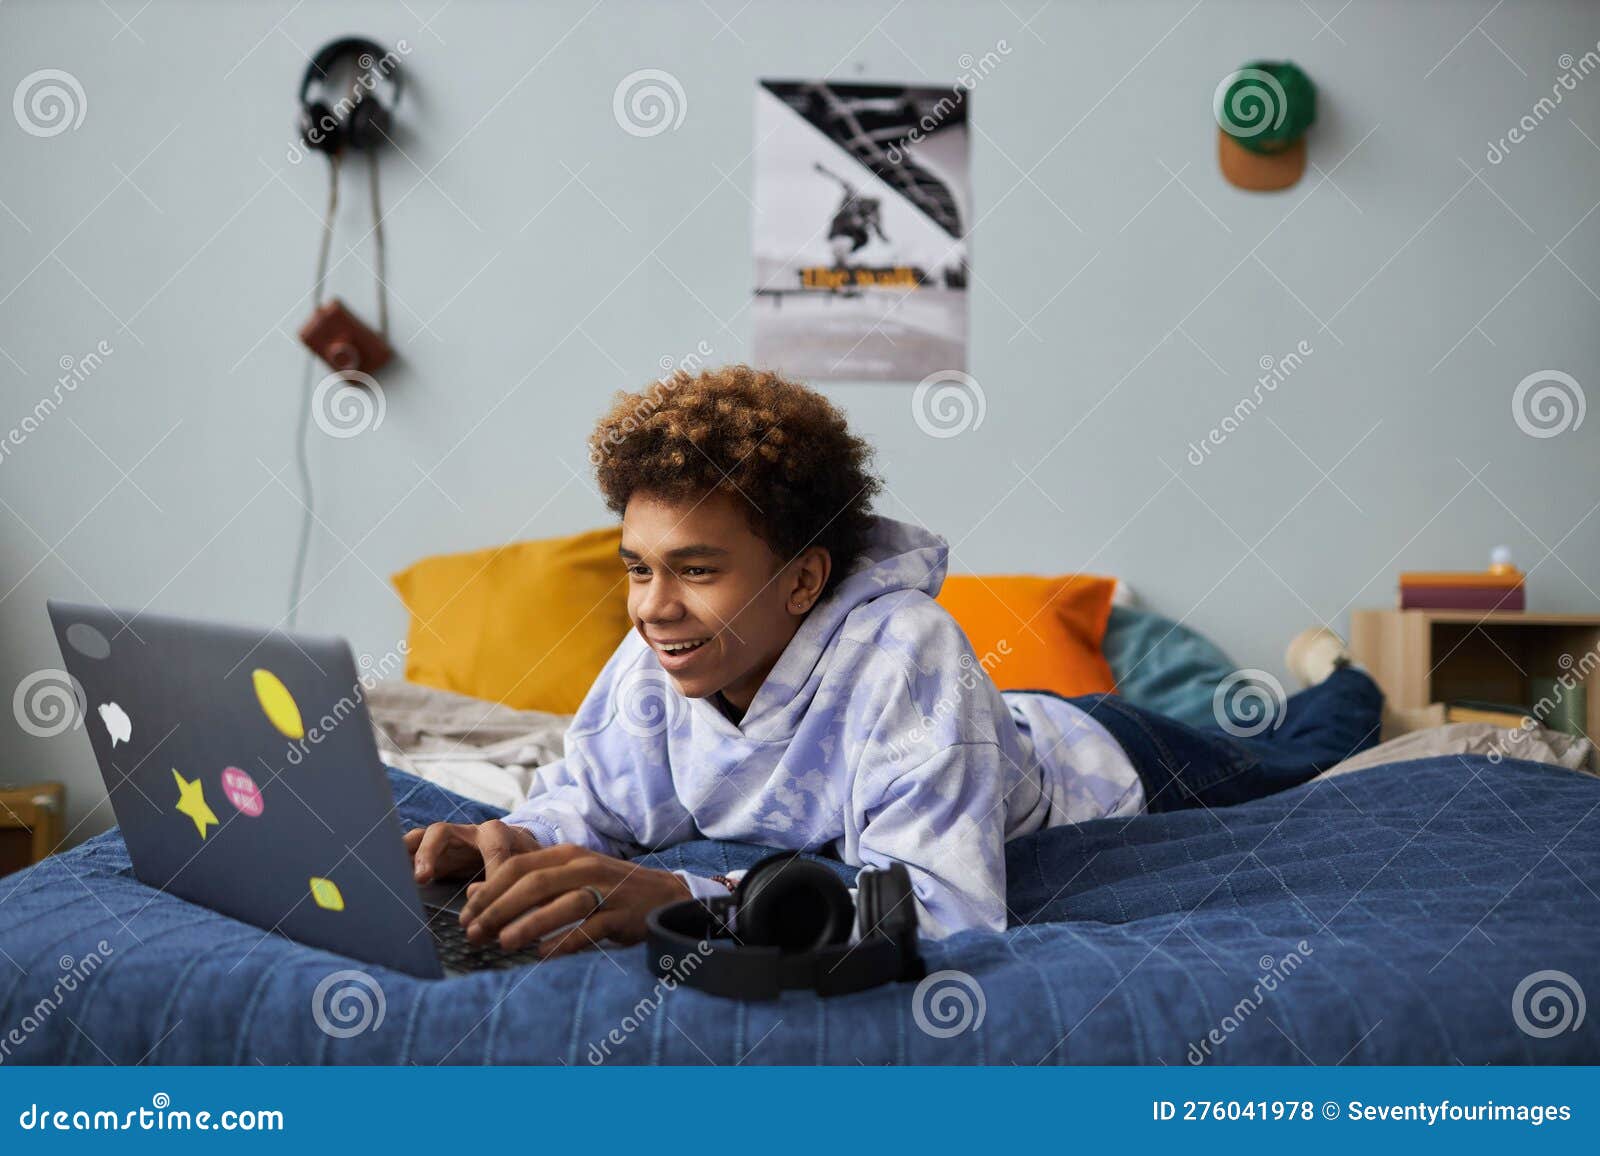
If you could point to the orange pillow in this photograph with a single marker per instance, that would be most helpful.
(529, 624)
(1036, 633)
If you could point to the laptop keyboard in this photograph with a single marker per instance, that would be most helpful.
(457, 954)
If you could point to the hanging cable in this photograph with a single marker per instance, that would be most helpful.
(377, 236)
(307, 390)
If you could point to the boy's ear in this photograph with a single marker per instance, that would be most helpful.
(811, 572)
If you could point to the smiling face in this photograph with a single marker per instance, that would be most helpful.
(712, 599)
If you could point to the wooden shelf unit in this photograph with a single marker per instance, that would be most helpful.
(30, 823)
(1421, 657)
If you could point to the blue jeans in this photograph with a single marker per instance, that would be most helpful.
(1183, 766)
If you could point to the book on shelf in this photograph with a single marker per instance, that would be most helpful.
(1462, 590)
(1495, 713)
(1461, 598)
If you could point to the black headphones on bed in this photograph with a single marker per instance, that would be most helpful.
(366, 122)
(788, 925)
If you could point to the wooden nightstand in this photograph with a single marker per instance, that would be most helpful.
(30, 824)
(1421, 657)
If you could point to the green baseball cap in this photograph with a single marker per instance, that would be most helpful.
(1263, 111)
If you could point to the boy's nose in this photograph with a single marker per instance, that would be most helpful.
(658, 603)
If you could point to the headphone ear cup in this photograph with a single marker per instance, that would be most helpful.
(368, 126)
(320, 129)
(793, 904)
(885, 900)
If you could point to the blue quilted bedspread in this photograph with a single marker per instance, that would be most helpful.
(1436, 911)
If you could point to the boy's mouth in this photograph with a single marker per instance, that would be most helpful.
(677, 653)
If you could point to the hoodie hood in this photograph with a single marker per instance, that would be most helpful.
(898, 556)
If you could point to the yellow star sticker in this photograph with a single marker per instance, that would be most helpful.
(192, 802)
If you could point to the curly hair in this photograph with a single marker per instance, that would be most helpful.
(781, 448)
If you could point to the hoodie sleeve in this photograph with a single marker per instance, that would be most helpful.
(613, 790)
(936, 763)
(564, 806)
(944, 818)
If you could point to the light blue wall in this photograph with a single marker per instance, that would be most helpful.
(540, 258)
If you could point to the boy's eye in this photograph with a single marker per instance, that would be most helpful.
(695, 571)
(639, 570)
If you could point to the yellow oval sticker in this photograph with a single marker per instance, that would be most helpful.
(326, 894)
(277, 703)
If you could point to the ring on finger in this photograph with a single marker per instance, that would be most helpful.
(599, 896)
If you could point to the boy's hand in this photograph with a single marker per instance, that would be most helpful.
(531, 894)
(457, 850)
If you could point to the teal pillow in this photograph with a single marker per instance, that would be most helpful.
(1164, 666)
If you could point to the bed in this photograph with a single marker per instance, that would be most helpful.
(1431, 911)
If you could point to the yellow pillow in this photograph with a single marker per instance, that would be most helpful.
(529, 624)
(1036, 633)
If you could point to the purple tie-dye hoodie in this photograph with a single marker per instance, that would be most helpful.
(877, 737)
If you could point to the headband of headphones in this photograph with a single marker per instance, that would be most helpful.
(366, 121)
(788, 926)
(350, 46)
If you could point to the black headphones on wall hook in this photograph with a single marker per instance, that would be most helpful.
(357, 119)
(788, 925)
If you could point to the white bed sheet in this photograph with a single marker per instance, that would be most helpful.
(480, 749)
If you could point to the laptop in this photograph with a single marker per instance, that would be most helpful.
(242, 769)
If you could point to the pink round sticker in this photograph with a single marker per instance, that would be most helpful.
(242, 792)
